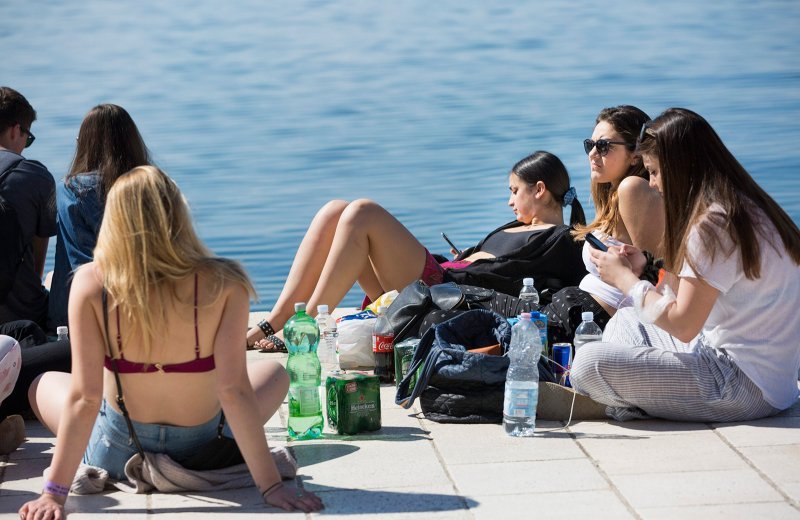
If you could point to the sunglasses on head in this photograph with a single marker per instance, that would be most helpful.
(31, 137)
(603, 146)
(646, 131)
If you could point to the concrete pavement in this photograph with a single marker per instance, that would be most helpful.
(414, 469)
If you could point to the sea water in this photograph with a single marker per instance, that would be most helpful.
(263, 113)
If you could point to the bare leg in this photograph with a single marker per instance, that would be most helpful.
(270, 382)
(368, 238)
(48, 397)
(306, 267)
(369, 283)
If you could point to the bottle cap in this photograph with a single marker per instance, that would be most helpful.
(322, 308)
(587, 316)
(525, 316)
(527, 281)
(62, 330)
(300, 307)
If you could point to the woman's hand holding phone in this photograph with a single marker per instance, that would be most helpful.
(453, 249)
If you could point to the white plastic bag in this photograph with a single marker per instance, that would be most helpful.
(355, 341)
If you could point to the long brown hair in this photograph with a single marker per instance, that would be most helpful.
(627, 120)
(108, 143)
(697, 170)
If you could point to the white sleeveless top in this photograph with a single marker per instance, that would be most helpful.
(592, 283)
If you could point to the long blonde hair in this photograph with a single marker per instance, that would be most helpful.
(147, 244)
(627, 120)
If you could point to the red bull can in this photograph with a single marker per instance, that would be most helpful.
(562, 362)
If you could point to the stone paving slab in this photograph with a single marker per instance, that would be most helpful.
(417, 469)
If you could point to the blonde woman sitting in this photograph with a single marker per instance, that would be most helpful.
(176, 321)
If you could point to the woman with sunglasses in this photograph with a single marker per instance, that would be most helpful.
(157, 310)
(109, 144)
(627, 211)
(724, 345)
(361, 242)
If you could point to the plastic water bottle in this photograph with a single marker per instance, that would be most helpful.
(329, 335)
(305, 411)
(522, 380)
(63, 332)
(529, 293)
(587, 331)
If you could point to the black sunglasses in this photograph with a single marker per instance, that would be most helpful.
(31, 137)
(603, 145)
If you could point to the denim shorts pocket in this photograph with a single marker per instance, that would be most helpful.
(108, 448)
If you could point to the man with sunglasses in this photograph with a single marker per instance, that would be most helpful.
(29, 188)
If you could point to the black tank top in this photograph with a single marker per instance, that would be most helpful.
(504, 242)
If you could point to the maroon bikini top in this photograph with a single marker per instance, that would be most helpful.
(198, 364)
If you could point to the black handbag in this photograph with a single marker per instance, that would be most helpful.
(407, 310)
(450, 295)
(219, 452)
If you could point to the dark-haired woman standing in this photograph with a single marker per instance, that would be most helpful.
(724, 345)
(359, 241)
(109, 144)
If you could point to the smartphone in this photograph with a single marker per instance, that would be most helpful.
(446, 239)
(595, 242)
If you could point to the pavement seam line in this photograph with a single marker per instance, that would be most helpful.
(760, 473)
(603, 474)
(442, 462)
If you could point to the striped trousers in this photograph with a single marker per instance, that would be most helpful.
(640, 371)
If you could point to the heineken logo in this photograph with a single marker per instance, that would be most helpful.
(363, 407)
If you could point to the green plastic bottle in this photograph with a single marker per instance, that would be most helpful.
(301, 334)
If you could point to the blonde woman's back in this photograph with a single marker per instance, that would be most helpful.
(171, 398)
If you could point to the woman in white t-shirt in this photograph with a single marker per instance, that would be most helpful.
(725, 346)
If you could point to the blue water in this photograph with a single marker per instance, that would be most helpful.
(264, 110)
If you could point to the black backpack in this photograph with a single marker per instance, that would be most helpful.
(13, 246)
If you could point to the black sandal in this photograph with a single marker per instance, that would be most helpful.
(269, 334)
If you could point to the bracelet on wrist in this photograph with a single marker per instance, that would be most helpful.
(273, 488)
(55, 489)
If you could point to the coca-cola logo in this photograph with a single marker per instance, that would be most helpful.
(381, 343)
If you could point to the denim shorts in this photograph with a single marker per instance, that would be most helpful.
(110, 445)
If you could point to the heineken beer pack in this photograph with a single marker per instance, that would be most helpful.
(354, 402)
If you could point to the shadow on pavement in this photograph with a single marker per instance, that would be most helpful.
(246, 501)
(377, 501)
(386, 433)
(310, 454)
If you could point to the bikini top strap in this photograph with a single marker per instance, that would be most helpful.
(120, 397)
(119, 337)
(196, 332)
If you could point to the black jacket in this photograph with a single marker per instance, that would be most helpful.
(552, 258)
